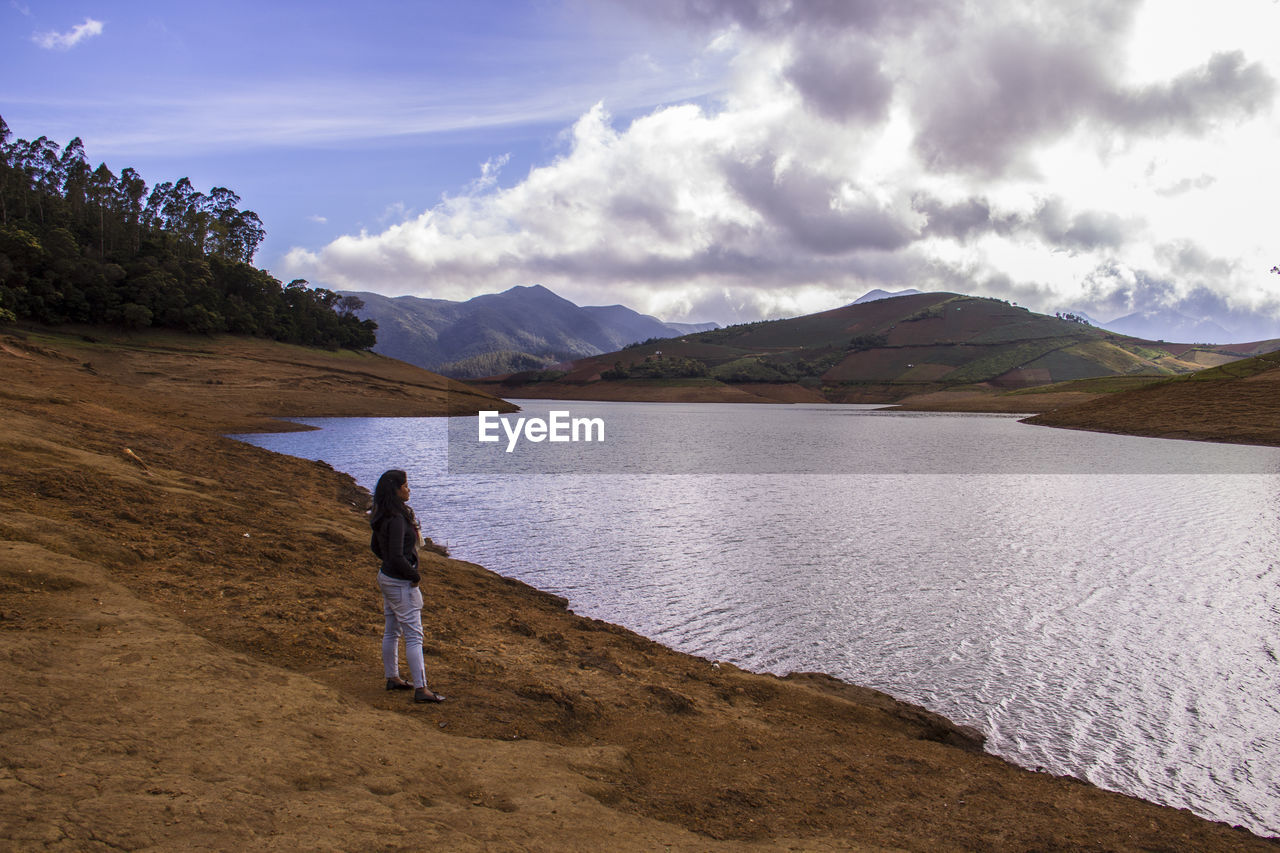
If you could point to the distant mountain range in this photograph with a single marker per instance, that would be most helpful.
(1166, 324)
(524, 328)
(879, 349)
(1169, 324)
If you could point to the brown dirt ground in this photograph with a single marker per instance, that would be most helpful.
(988, 401)
(1242, 411)
(189, 638)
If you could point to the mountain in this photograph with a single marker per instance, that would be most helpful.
(878, 294)
(524, 328)
(1166, 324)
(879, 351)
(625, 326)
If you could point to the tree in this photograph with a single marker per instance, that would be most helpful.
(185, 213)
(81, 244)
(39, 161)
(130, 190)
(73, 169)
(135, 316)
(101, 195)
(246, 233)
(349, 306)
(6, 170)
(221, 205)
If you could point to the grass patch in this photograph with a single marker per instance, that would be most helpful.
(1006, 359)
(1242, 369)
(677, 382)
(1098, 385)
(90, 339)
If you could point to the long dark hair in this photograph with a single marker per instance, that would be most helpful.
(386, 499)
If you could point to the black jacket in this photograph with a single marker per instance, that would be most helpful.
(397, 543)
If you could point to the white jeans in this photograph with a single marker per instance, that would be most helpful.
(402, 607)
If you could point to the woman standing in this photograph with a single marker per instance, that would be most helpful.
(395, 540)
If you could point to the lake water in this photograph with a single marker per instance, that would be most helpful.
(1101, 606)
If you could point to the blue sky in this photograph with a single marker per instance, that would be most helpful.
(701, 159)
(311, 110)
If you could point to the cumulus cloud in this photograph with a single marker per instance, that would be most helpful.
(813, 211)
(984, 97)
(1225, 85)
(1186, 185)
(1114, 289)
(783, 17)
(65, 41)
(1088, 230)
(1052, 221)
(859, 144)
(992, 94)
(841, 79)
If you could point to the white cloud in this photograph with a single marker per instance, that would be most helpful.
(1008, 151)
(65, 41)
(489, 171)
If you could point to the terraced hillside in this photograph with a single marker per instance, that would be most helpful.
(879, 351)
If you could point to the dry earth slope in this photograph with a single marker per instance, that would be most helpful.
(1236, 402)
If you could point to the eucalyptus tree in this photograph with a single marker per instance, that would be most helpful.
(6, 170)
(131, 191)
(102, 195)
(39, 162)
(73, 172)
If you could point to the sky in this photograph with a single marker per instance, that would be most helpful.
(702, 160)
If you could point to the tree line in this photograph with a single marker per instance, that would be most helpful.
(84, 245)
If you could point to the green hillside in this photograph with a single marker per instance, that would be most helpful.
(892, 348)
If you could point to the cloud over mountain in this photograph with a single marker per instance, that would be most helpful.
(1012, 149)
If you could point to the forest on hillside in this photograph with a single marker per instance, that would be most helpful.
(84, 245)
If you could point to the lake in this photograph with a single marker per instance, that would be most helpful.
(1102, 606)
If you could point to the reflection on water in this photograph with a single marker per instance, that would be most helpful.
(1120, 627)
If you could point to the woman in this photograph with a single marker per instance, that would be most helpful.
(395, 540)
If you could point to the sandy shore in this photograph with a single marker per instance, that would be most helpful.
(189, 639)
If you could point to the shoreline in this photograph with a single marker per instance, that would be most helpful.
(561, 731)
(1216, 437)
(515, 562)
